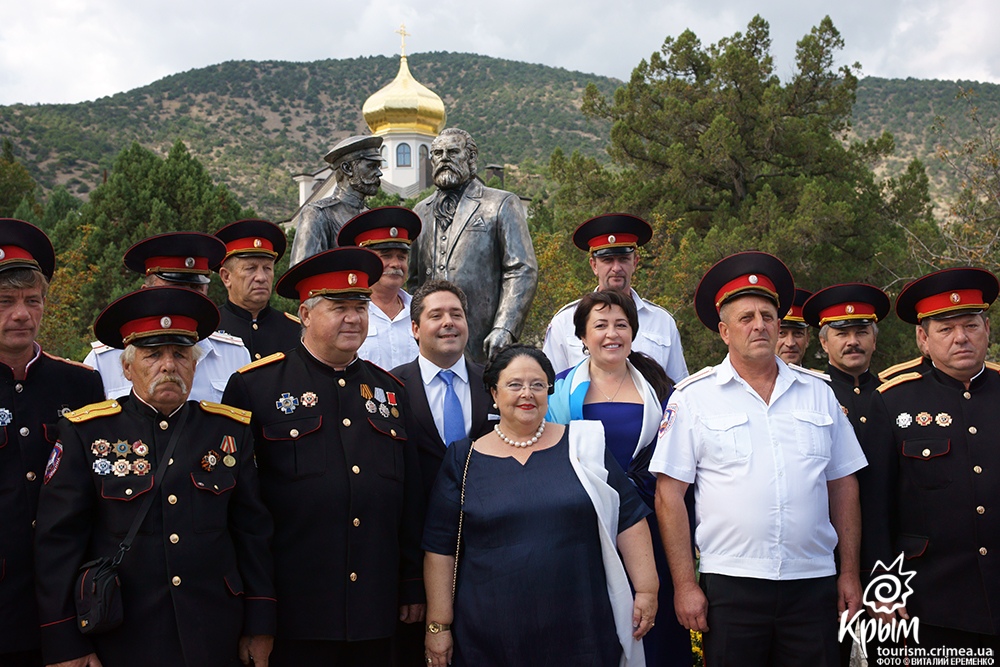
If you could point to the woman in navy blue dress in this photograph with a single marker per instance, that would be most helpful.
(545, 513)
(626, 391)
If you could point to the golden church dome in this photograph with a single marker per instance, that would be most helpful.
(404, 105)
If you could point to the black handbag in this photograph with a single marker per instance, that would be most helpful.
(98, 592)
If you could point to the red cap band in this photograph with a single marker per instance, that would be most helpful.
(257, 244)
(612, 241)
(178, 265)
(850, 310)
(13, 252)
(336, 282)
(383, 235)
(756, 282)
(960, 299)
(159, 325)
(794, 314)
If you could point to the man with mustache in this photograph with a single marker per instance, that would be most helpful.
(476, 237)
(196, 582)
(793, 336)
(355, 162)
(388, 232)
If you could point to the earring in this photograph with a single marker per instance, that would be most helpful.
(586, 352)
(494, 405)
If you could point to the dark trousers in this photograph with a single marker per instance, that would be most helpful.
(408, 645)
(21, 659)
(295, 653)
(764, 623)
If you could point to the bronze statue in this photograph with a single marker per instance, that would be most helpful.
(355, 162)
(476, 237)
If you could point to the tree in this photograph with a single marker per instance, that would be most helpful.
(143, 196)
(16, 184)
(720, 155)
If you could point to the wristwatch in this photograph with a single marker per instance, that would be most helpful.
(434, 627)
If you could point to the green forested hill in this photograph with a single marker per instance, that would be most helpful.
(254, 124)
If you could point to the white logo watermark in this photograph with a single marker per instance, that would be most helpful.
(885, 594)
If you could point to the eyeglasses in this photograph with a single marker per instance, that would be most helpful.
(534, 387)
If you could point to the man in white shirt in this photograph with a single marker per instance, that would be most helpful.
(388, 231)
(772, 457)
(612, 242)
(177, 259)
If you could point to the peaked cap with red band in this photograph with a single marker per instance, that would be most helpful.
(847, 305)
(612, 234)
(157, 316)
(793, 318)
(253, 238)
(381, 229)
(340, 273)
(180, 257)
(741, 274)
(24, 246)
(947, 293)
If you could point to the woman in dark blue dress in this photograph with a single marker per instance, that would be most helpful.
(545, 512)
(626, 392)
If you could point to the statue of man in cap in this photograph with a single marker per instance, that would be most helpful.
(476, 237)
(355, 161)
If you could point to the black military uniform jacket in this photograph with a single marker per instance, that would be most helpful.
(342, 484)
(199, 573)
(29, 410)
(934, 451)
(272, 331)
(855, 401)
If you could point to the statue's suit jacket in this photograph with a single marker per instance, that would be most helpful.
(488, 254)
(420, 422)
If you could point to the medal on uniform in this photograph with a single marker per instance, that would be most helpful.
(366, 393)
(102, 466)
(395, 412)
(383, 410)
(903, 420)
(121, 467)
(5, 416)
(229, 460)
(54, 458)
(924, 419)
(943, 419)
(309, 399)
(141, 467)
(228, 444)
(379, 395)
(210, 460)
(100, 448)
(63, 411)
(286, 403)
(121, 448)
(140, 448)
(391, 397)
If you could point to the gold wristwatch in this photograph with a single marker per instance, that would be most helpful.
(434, 627)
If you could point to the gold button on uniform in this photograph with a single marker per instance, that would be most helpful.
(980, 510)
(357, 522)
(967, 395)
(19, 387)
(342, 382)
(354, 576)
(24, 431)
(977, 469)
(128, 492)
(972, 430)
(982, 551)
(176, 581)
(926, 453)
(164, 425)
(257, 355)
(294, 433)
(171, 461)
(347, 422)
(255, 327)
(30, 476)
(356, 470)
(864, 420)
(172, 499)
(857, 390)
(392, 432)
(174, 538)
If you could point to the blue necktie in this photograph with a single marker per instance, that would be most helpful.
(454, 421)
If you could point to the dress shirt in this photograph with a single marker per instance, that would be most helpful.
(761, 502)
(435, 387)
(657, 337)
(390, 343)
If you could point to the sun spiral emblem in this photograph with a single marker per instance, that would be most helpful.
(887, 592)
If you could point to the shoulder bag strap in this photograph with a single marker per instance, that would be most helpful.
(461, 514)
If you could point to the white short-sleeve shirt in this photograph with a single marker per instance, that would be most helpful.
(760, 470)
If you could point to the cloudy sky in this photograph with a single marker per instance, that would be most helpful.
(75, 50)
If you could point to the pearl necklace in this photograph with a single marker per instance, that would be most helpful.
(515, 443)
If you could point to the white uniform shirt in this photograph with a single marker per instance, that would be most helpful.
(390, 343)
(760, 471)
(657, 337)
(224, 355)
(435, 388)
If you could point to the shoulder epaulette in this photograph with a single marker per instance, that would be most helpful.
(269, 359)
(892, 371)
(993, 366)
(291, 317)
(93, 411)
(100, 347)
(802, 369)
(242, 416)
(226, 338)
(899, 379)
(705, 372)
(68, 361)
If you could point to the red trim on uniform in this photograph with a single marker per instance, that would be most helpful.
(250, 244)
(258, 597)
(742, 284)
(158, 264)
(65, 620)
(382, 235)
(151, 326)
(849, 310)
(951, 300)
(335, 281)
(620, 239)
(794, 314)
(15, 252)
